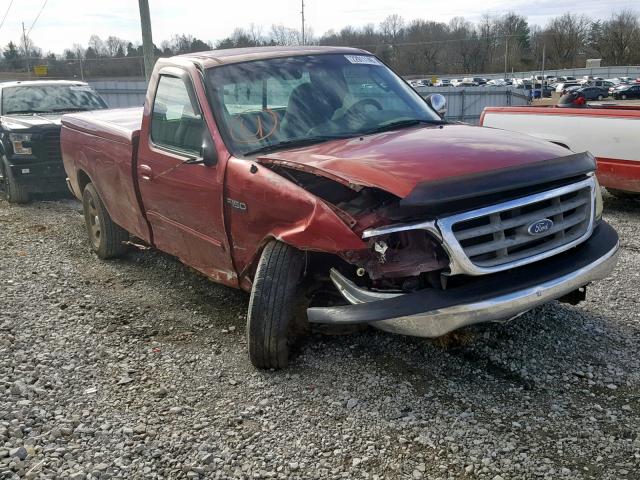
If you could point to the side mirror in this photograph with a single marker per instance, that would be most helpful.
(208, 150)
(438, 102)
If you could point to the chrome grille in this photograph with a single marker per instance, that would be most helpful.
(496, 238)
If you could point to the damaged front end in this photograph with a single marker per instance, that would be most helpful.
(471, 249)
(397, 259)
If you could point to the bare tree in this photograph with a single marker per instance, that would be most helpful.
(565, 37)
(621, 38)
(114, 46)
(96, 44)
(254, 32)
(281, 35)
(391, 28)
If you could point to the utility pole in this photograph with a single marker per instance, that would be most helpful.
(26, 49)
(544, 51)
(506, 53)
(302, 13)
(79, 53)
(147, 41)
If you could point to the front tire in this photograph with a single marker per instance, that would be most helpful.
(271, 320)
(12, 191)
(106, 238)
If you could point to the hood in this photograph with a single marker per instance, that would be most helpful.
(33, 121)
(399, 160)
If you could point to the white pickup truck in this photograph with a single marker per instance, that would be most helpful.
(610, 132)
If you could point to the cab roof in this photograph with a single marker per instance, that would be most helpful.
(236, 55)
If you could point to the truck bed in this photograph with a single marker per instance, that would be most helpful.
(609, 132)
(101, 147)
(119, 125)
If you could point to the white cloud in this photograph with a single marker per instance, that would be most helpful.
(64, 22)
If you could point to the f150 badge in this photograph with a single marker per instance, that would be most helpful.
(237, 204)
(540, 226)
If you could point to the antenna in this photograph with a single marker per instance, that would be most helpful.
(302, 13)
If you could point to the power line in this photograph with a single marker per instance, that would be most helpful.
(6, 13)
(44, 4)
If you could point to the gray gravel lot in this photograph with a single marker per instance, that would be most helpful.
(136, 368)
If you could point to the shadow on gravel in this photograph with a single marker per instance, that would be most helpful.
(533, 353)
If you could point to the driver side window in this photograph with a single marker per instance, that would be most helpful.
(176, 122)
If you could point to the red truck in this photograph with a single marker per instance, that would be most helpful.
(318, 180)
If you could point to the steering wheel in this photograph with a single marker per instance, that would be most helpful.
(243, 133)
(358, 108)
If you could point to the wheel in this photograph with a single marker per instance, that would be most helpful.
(623, 195)
(623, 96)
(12, 191)
(106, 238)
(272, 321)
(600, 97)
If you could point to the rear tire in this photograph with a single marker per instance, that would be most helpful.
(623, 96)
(271, 320)
(13, 192)
(105, 237)
(600, 97)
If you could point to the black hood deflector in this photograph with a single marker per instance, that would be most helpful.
(453, 193)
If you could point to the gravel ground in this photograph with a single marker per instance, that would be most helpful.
(136, 368)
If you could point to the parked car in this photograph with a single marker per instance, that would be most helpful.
(609, 132)
(479, 80)
(571, 89)
(497, 82)
(305, 186)
(467, 82)
(627, 92)
(455, 82)
(443, 83)
(564, 85)
(30, 114)
(594, 93)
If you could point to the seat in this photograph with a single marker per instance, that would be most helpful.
(305, 110)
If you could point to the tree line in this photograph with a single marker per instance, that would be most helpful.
(493, 44)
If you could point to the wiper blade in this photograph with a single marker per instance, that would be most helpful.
(298, 142)
(25, 111)
(403, 124)
(68, 109)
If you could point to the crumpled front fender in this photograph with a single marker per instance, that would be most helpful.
(261, 205)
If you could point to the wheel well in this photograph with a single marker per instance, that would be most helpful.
(83, 180)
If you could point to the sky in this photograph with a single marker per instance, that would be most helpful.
(65, 22)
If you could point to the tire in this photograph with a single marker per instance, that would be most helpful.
(600, 97)
(12, 191)
(623, 96)
(105, 237)
(271, 319)
(623, 195)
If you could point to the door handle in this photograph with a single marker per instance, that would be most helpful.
(145, 172)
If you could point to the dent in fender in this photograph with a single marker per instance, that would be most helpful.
(279, 209)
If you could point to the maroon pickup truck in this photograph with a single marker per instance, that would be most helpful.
(318, 180)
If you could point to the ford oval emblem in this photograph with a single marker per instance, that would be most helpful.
(540, 226)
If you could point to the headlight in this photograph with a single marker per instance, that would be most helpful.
(599, 205)
(21, 143)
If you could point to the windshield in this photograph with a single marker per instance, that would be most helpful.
(268, 104)
(49, 99)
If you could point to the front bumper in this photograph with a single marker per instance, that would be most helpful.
(40, 177)
(432, 313)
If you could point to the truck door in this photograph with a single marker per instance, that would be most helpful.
(183, 198)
